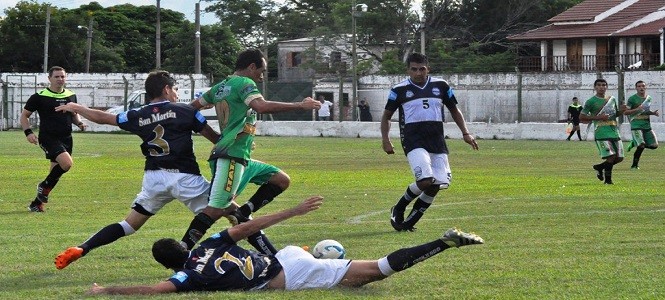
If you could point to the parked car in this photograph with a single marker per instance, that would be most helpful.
(137, 98)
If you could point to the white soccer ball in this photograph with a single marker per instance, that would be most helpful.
(328, 249)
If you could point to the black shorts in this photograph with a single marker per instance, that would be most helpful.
(54, 146)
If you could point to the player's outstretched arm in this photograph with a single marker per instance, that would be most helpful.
(159, 288)
(262, 106)
(243, 230)
(95, 115)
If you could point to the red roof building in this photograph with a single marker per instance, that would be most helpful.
(599, 35)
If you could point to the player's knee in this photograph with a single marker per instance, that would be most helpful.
(280, 179)
(425, 183)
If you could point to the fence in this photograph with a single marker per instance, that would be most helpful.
(94, 90)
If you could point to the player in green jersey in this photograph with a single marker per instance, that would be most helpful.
(237, 100)
(603, 110)
(638, 112)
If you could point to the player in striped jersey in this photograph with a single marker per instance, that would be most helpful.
(420, 101)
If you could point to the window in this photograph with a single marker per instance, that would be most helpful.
(294, 59)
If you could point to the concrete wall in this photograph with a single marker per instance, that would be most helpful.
(96, 90)
(512, 131)
(492, 98)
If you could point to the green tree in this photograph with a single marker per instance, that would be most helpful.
(218, 52)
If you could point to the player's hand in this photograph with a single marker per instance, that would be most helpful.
(388, 147)
(69, 107)
(95, 290)
(623, 107)
(310, 204)
(656, 113)
(469, 139)
(82, 126)
(32, 139)
(310, 103)
(604, 117)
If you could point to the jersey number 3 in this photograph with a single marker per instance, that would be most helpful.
(159, 146)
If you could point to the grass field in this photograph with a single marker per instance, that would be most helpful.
(552, 230)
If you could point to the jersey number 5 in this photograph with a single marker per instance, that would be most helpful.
(425, 103)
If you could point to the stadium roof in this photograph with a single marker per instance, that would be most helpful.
(602, 18)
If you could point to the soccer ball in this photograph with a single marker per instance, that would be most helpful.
(328, 249)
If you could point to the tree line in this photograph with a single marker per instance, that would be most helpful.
(460, 35)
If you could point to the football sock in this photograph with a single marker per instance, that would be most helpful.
(637, 155)
(579, 136)
(412, 191)
(106, 235)
(571, 134)
(602, 165)
(264, 195)
(608, 172)
(260, 242)
(53, 176)
(405, 258)
(197, 228)
(419, 208)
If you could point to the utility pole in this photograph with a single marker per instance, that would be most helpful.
(158, 42)
(48, 26)
(197, 39)
(87, 55)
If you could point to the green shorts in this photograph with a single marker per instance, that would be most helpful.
(230, 177)
(256, 172)
(607, 148)
(646, 137)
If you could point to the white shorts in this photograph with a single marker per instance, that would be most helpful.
(303, 271)
(425, 165)
(161, 187)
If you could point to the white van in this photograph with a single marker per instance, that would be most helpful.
(137, 99)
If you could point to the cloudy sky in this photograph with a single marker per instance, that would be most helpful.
(184, 6)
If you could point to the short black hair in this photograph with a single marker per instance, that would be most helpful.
(248, 57)
(53, 69)
(418, 58)
(155, 83)
(639, 81)
(599, 80)
(170, 253)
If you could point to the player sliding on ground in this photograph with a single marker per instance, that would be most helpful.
(219, 264)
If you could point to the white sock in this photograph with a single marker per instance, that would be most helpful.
(384, 267)
(126, 227)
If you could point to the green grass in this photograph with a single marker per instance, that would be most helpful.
(552, 230)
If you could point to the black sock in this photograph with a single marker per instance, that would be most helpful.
(571, 134)
(417, 212)
(579, 136)
(106, 235)
(602, 165)
(405, 200)
(407, 257)
(637, 155)
(608, 172)
(53, 177)
(197, 228)
(260, 242)
(263, 196)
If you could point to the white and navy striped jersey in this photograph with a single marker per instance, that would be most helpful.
(421, 113)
